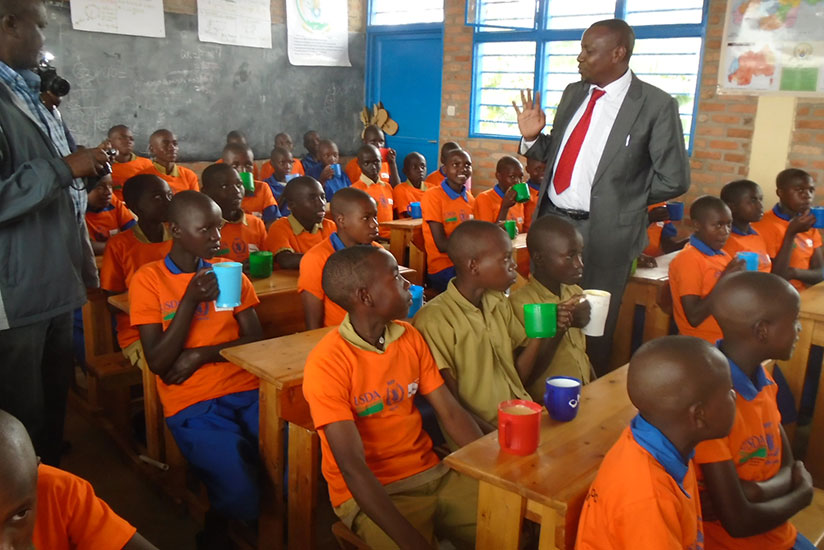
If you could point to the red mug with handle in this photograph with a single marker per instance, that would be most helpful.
(519, 426)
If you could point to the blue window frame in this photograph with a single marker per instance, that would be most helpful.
(507, 41)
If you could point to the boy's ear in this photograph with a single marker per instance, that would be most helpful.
(761, 330)
(364, 297)
(473, 265)
(697, 416)
(175, 230)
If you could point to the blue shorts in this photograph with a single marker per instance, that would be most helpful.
(440, 280)
(219, 439)
(802, 543)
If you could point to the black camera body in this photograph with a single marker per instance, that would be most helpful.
(50, 81)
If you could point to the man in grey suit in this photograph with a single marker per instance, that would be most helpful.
(616, 146)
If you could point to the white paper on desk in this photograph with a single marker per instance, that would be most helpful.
(318, 32)
(235, 22)
(132, 17)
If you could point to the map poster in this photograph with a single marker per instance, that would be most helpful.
(318, 32)
(773, 47)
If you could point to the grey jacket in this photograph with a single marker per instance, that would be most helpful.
(41, 250)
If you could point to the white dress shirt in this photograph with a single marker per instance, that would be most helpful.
(576, 196)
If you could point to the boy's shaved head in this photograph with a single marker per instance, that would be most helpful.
(135, 186)
(472, 239)
(348, 270)
(326, 143)
(117, 129)
(451, 153)
(507, 161)
(236, 136)
(446, 148)
(546, 228)
(790, 176)
(741, 300)
(363, 150)
(280, 152)
(215, 174)
(347, 198)
(702, 205)
(159, 134)
(372, 131)
(297, 184)
(236, 148)
(18, 461)
(188, 203)
(734, 190)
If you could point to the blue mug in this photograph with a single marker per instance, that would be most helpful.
(562, 396)
(336, 170)
(414, 210)
(290, 177)
(750, 259)
(818, 212)
(417, 300)
(675, 209)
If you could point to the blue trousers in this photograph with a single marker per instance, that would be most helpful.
(219, 439)
(440, 280)
(802, 543)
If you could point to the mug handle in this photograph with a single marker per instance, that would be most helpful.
(505, 433)
(409, 209)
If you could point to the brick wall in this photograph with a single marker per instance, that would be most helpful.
(807, 144)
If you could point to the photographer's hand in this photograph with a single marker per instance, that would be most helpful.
(87, 162)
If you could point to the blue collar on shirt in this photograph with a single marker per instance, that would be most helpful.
(171, 266)
(749, 231)
(498, 190)
(777, 211)
(441, 171)
(451, 193)
(743, 385)
(703, 247)
(535, 186)
(106, 208)
(656, 443)
(337, 244)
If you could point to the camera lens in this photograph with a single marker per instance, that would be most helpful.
(59, 86)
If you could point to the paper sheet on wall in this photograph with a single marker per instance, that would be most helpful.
(318, 32)
(235, 22)
(132, 17)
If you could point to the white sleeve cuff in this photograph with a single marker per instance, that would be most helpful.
(525, 145)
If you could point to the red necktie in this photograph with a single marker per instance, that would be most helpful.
(563, 174)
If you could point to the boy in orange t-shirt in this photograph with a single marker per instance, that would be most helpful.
(751, 485)
(745, 199)
(125, 163)
(282, 141)
(148, 241)
(414, 166)
(388, 170)
(356, 220)
(369, 159)
(43, 507)
(260, 203)
(241, 234)
(291, 237)
(661, 233)
(106, 215)
(695, 270)
(385, 482)
(435, 178)
(164, 150)
(211, 406)
(535, 169)
(645, 494)
(792, 242)
(498, 204)
(445, 206)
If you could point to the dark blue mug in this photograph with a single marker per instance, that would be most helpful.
(818, 212)
(563, 394)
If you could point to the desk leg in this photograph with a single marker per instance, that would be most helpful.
(550, 520)
(270, 525)
(814, 459)
(398, 239)
(500, 516)
(303, 488)
(153, 413)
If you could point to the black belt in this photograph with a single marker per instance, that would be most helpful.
(572, 214)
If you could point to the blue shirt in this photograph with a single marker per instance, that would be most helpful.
(661, 448)
(335, 184)
(746, 387)
(172, 266)
(312, 167)
(278, 188)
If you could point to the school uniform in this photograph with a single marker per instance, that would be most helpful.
(289, 234)
(488, 204)
(384, 198)
(443, 205)
(694, 271)
(353, 171)
(335, 184)
(749, 241)
(348, 379)
(214, 414)
(121, 171)
(645, 495)
(570, 357)
(240, 238)
(179, 178)
(656, 232)
(109, 220)
(773, 226)
(529, 207)
(405, 193)
(311, 167)
(261, 204)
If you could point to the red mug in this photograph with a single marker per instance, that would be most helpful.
(519, 426)
(384, 151)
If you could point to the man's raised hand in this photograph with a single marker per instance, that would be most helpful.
(531, 118)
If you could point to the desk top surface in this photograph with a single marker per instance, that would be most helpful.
(569, 454)
(812, 302)
(403, 223)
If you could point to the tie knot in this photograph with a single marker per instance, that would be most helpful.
(596, 94)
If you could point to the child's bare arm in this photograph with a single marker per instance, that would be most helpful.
(137, 542)
(392, 161)
(312, 310)
(455, 419)
(696, 308)
(506, 203)
(814, 274)
(347, 448)
(287, 259)
(452, 386)
(439, 235)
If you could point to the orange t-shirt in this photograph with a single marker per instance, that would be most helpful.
(529, 207)
(180, 178)
(346, 379)
(443, 205)
(257, 204)
(71, 517)
(384, 197)
(111, 220)
(121, 171)
(488, 203)
(772, 228)
(694, 271)
(288, 234)
(749, 242)
(353, 170)
(405, 193)
(241, 238)
(435, 178)
(635, 502)
(154, 296)
(754, 445)
(125, 253)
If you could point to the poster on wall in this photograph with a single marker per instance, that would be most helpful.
(773, 47)
(131, 17)
(235, 22)
(318, 32)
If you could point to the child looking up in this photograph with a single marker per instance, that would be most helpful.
(164, 150)
(125, 163)
(414, 166)
(328, 155)
(435, 178)
(106, 215)
(259, 203)
(745, 200)
(498, 204)
(369, 160)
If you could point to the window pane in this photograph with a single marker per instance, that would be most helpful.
(502, 70)
(655, 12)
(519, 14)
(580, 14)
(561, 69)
(392, 12)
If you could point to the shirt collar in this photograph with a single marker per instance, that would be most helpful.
(749, 231)
(297, 227)
(160, 168)
(131, 159)
(141, 236)
(703, 247)
(106, 208)
(747, 387)
(656, 443)
(368, 181)
(777, 211)
(337, 244)
(490, 298)
(498, 190)
(171, 266)
(616, 87)
(535, 186)
(241, 220)
(392, 332)
(451, 193)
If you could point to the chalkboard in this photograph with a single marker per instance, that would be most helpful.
(201, 91)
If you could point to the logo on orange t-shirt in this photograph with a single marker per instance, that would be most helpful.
(760, 449)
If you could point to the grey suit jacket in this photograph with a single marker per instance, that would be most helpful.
(654, 167)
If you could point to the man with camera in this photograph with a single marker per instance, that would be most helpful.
(46, 261)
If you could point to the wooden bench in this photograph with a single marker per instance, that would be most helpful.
(810, 520)
(347, 540)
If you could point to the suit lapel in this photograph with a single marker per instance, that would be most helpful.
(627, 114)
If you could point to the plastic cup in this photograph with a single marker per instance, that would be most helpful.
(599, 304)
(414, 210)
(675, 210)
(336, 170)
(818, 212)
(229, 276)
(751, 259)
(511, 227)
(562, 396)
(384, 151)
(290, 177)
(248, 180)
(541, 320)
(521, 192)
(417, 300)
(261, 264)
(519, 426)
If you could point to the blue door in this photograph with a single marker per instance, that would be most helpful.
(404, 68)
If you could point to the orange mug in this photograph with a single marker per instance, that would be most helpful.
(384, 151)
(519, 426)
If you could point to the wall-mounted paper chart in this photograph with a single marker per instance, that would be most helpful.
(235, 22)
(133, 17)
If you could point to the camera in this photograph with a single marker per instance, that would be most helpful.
(50, 81)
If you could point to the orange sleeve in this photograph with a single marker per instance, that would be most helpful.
(297, 168)
(483, 209)
(651, 523)
(325, 384)
(431, 378)
(267, 199)
(191, 179)
(685, 277)
(277, 239)
(124, 215)
(771, 235)
(112, 277)
(817, 242)
(431, 207)
(311, 273)
(713, 450)
(144, 300)
(353, 170)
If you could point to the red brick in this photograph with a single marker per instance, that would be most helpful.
(727, 119)
(739, 133)
(802, 111)
(735, 157)
(722, 168)
(750, 108)
(815, 124)
(724, 144)
(711, 155)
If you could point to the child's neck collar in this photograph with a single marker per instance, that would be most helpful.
(371, 329)
(473, 294)
(743, 354)
(185, 261)
(154, 232)
(550, 284)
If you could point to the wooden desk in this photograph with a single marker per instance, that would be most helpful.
(279, 364)
(402, 233)
(642, 290)
(548, 486)
(521, 255)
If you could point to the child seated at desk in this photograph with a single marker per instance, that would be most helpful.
(435, 178)
(661, 233)
(241, 234)
(369, 160)
(329, 156)
(282, 141)
(556, 249)
(148, 241)
(535, 169)
(478, 342)
(312, 165)
(751, 485)
(387, 171)
(445, 206)
(260, 203)
(498, 204)
(745, 200)
(282, 162)
(385, 482)
(211, 406)
(291, 237)
(125, 163)
(414, 166)
(43, 507)
(694, 272)
(106, 215)
(164, 150)
(792, 242)
(645, 495)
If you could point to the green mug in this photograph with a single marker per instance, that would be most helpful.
(248, 180)
(261, 263)
(511, 227)
(541, 320)
(521, 192)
